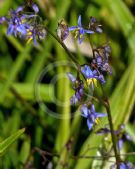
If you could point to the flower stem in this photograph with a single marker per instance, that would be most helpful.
(117, 156)
(65, 48)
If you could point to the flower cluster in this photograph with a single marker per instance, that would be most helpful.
(79, 31)
(91, 115)
(93, 73)
(124, 165)
(91, 78)
(24, 25)
(78, 86)
(101, 59)
(120, 134)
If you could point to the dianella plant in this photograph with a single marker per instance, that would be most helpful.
(63, 87)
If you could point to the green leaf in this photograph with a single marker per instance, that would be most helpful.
(4, 145)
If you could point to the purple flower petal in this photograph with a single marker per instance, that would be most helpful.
(35, 41)
(19, 9)
(101, 79)
(21, 29)
(3, 19)
(120, 144)
(89, 124)
(72, 28)
(79, 21)
(100, 115)
(99, 30)
(10, 30)
(123, 166)
(35, 8)
(128, 137)
(73, 100)
(85, 111)
(88, 31)
(87, 71)
(71, 77)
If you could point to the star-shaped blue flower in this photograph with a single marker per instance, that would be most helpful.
(92, 76)
(91, 115)
(21, 24)
(15, 23)
(80, 31)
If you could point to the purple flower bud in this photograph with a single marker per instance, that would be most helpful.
(73, 100)
(99, 30)
(3, 19)
(78, 86)
(120, 144)
(71, 77)
(128, 137)
(35, 8)
(101, 79)
(62, 30)
(19, 9)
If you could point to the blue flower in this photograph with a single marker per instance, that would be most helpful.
(78, 86)
(94, 25)
(62, 30)
(24, 25)
(120, 143)
(80, 31)
(107, 51)
(15, 23)
(35, 7)
(120, 134)
(100, 60)
(124, 165)
(92, 76)
(3, 19)
(34, 32)
(129, 165)
(91, 115)
(121, 166)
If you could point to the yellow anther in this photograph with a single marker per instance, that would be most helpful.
(92, 80)
(81, 36)
(24, 20)
(95, 81)
(29, 40)
(89, 81)
(29, 33)
(97, 121)
(76, 34)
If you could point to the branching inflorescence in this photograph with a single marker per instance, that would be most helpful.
(25, 25)
(28, 26)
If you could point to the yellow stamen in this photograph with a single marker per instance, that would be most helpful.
(29, 40)
(24, 20)
(92, 80)
(97, 120)
(81, 36)
(76, 34)
(29, 33)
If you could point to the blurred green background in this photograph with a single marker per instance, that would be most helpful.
(33, 81)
